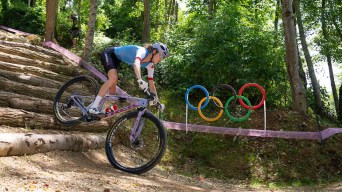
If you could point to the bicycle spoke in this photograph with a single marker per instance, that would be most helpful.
(72, 97)
(141, 153)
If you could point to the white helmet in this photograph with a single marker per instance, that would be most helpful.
(162, 49)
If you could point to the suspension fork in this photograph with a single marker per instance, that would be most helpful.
(138, 125)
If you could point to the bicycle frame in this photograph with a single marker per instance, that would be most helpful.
(136, 103)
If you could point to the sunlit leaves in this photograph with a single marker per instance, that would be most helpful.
(233, 47)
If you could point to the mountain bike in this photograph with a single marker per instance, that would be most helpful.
(135, 142)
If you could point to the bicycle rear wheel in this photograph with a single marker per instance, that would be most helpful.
(82, 88)
(137, 156)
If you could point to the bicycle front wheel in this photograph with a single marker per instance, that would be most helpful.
(82, 88)
(143, 153)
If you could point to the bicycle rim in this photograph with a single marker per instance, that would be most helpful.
(82, 88)
(141, 155)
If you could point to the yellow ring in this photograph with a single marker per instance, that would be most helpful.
(210, 119)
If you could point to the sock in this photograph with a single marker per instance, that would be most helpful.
(96, 102)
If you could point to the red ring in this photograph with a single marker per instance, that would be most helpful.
(254, 85)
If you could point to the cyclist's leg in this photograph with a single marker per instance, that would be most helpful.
(111, 64)
(110, 83)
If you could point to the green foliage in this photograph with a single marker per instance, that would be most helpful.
(233, 47)
(64, 24)
(125, 19)
(21, 17)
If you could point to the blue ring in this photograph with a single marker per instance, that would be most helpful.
(187, 97)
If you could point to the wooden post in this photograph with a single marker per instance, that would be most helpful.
(51, 13)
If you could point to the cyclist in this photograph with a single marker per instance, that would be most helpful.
(135, 56)
(75, 30)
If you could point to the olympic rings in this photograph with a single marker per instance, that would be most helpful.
(210, 119)
(187, 96)
(218, 103)
(225, 86)
(237, 119)
(262, 100)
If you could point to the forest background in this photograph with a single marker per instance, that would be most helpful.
(211, 42)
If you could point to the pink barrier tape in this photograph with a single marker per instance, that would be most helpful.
(80, 62)
(14, 30)
(321, 135)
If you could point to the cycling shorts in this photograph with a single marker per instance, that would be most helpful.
(109, 60)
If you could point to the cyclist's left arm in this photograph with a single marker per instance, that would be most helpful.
(152, 86)
(150, 72)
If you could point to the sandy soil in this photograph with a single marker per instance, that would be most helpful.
(90, 171)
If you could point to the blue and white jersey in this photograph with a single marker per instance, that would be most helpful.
(129, 53)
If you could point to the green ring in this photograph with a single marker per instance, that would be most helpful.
(233, 118)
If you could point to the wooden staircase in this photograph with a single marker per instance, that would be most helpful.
(30, 77)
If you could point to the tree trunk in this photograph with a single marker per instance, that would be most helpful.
(31, 3)
(328, 56)
(167, 10)
(314, 82)
(299, 102)
(17, 144)
(172, 10)
(301, 71)
(51, 14)
(156, 19)
(176, 11)
(79, 2)
(86, 55)
(334, 11)
(147, 22)
(340, 105)
(338, 30)
(211, 8)
(5, 4)
(276, 16)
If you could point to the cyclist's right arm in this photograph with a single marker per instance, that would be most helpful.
(137, 68)
(140, 54)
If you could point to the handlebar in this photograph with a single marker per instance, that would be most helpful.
(150, 96)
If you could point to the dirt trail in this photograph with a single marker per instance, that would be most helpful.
(65, 171)
(90, 171)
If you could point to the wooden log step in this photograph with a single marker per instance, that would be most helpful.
(7, 36)
(24, 102)
(29, 90)
(33, 70)
(68, 70)
(30, 79)
(45, 51)
(22, 52)
(30, 120)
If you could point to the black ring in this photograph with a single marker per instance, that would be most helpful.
(229, 88)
